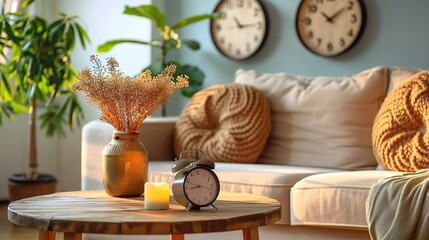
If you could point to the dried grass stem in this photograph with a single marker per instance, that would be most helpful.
(123, 101)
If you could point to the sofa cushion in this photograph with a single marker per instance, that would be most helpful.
(399, 134)
(274, 181)
(398, 74)
(334, 199)
(321, 121)
(228, 122)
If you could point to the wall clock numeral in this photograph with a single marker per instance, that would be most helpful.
(342, 42)
(330, 47)
(312, 8)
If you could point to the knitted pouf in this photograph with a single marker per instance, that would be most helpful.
(400, 138)
(228, 122)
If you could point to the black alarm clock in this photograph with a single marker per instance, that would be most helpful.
(195, 185)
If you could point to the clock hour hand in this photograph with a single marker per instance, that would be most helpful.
(237, 22)
(328, 19)
(239, 25)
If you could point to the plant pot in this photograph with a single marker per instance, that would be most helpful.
(124, 165)
(21, 187)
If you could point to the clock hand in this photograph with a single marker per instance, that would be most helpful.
(248, 25)
(206, 188)
(338, 13)
(237, 22)
(239, 25)
(328, 19)
(195, 185)
(198, 186)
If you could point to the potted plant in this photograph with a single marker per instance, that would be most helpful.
(36, 73)
(168, 41)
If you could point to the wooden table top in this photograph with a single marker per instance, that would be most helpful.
(97, 212)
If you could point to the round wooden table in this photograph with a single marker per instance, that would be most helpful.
(80, 212)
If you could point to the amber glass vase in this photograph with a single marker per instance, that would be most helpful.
(125, 165)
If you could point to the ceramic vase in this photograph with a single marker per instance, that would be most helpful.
(124, 165)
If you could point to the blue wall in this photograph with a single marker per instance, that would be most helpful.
(396, 34)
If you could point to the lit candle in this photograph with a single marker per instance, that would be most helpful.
(156, 195)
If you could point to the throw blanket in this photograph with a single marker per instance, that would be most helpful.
(394, 208)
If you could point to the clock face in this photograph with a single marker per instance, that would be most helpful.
(241, 29)
(330, 27)
(201, 186)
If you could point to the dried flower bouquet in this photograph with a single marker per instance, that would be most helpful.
(123, 101)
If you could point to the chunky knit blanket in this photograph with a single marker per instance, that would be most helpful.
(397, 207)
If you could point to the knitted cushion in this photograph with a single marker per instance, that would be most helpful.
(228, 122)
(400, 140)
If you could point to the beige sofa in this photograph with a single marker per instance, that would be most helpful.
(318, 161)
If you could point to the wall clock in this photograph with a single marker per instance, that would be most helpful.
(241, 29)
(195, 184)
(330, 27)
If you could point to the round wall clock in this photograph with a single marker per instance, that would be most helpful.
(241, 29)
(330, 27)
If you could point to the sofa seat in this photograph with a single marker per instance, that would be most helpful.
(269, 180)
(334, 199)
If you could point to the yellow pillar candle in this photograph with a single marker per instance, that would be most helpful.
(156, 195)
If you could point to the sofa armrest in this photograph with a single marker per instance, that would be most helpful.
(156, 134)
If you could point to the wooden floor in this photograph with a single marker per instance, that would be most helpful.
(8, 231)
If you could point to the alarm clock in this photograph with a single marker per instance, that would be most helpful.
(195, 185)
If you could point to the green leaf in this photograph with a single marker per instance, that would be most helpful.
(40, 95)
(56, 30)
(25, 3)
(34, 68)
(18, 108)
(7, 110)
(107, 46)
(54, 26)
(194, 45)
(75, 111)
(10, 33)
(189, 91)
(1, 24)
(31, 91)
(171, 44)
(151, 12)
(53, 120)
(70, 40)
(190, 20)
(4, 84)
(196, 78)
(59, 114)
(83, 35)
